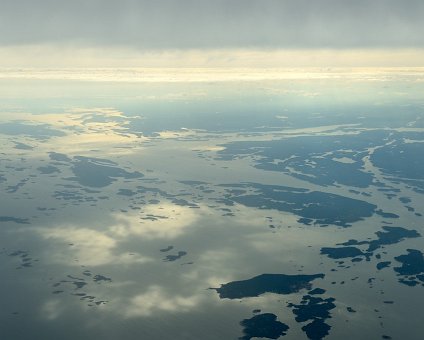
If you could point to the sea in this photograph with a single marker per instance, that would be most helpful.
(211, 204)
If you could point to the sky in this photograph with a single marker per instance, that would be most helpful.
(166, 32)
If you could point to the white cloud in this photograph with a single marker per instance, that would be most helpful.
(167, 221)
(51, 309)
(155, 300)
(87, 246)
(168, 65)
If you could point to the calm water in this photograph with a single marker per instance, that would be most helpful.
(212, 209)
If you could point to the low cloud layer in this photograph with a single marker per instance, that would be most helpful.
(169, 24)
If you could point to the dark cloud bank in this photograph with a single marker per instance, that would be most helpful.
(215, 24)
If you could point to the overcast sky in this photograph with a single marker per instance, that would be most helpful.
(158, 25)
(215, 23)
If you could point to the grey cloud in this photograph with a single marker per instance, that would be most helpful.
(214, 23)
